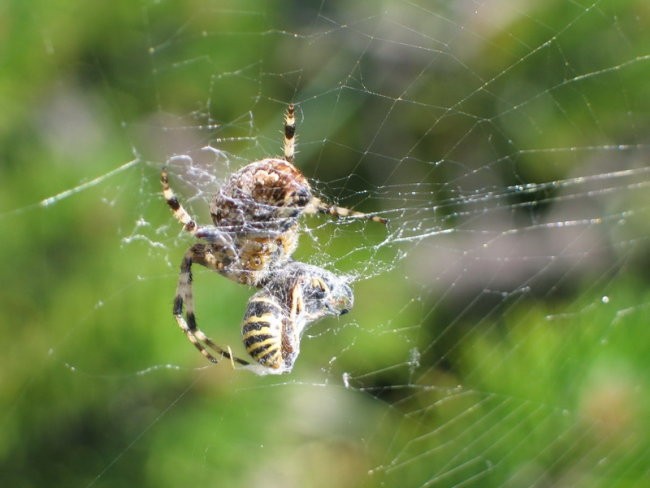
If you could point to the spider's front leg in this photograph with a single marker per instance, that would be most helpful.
(209, 233)
(289, 133)
(200, 254)
(318, 206)
(178, 210)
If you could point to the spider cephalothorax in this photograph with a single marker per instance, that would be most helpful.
(255, 232)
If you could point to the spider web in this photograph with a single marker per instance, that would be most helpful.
(498, 335)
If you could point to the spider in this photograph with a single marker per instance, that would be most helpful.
(255, 232)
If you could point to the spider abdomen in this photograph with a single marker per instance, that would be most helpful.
(266, 194)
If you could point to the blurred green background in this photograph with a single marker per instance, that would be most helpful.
(530, 369)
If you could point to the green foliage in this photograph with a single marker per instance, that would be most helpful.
(99, 388)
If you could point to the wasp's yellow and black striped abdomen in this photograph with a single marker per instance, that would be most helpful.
(278, 314)
(263, 331)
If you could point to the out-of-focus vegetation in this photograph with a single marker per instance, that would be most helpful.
(83, 85)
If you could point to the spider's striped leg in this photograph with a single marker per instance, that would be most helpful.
(179, 212)
(209, 233)
(217, 237)
(196, 254)
(289, 134)
(318, 206)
